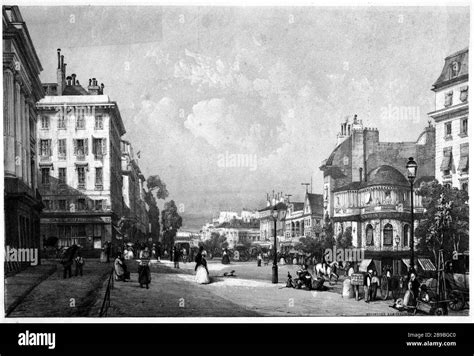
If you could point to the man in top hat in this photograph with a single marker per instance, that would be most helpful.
(367, 283)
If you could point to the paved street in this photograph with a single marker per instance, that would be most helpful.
(58, 297)
(175, 293)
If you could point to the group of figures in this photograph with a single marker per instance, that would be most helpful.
(123, 274)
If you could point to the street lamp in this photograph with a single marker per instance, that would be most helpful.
(411, 173)
(397, 242)
(275, 267)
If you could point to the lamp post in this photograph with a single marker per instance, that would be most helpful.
(411, 173)
(397, 242)
(275, 267)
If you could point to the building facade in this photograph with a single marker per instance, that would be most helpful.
(451, 117)
(366, 193)
(21, 90)
(135, 223)
(80, 163)
(267, 222)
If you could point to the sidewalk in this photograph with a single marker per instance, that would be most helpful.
(18, 286)
(57, 297)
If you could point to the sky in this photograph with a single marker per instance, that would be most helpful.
(197, 86)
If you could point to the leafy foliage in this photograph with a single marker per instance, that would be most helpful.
(171, 221)
(445, 222)
(344, 239)
(155, 184)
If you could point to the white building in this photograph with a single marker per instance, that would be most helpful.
(451, 116)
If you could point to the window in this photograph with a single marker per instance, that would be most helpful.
(447, 161)
(45, 176)
(464, 160)
(447, 130)
(463, 127)
(81, 177)
(99, 122)
(388, 235)
(62, 204)
(62, 148)
(448, 98)
(81, 230)
(454, 69)
(45, 148)
(406, 232)
(62, 175)
(47, 204)
(465, 186)
(98, 204)
(98, 147)
(81, 204)
(61, 121)
(81, 148)
(98, 177)
(464, 92)
(80, 120)
(45, 122)
(369, 233)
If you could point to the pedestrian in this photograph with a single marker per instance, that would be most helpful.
(144, 254)
(120, 268)
(107, 251)
(144, 274)
(176, 257)
(225, 257)
(374, 285)
(259, 260)
(202, 273)
(415, 285)
(367, 283)
(79, 260)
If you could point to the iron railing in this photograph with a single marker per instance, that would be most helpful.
(106, 302)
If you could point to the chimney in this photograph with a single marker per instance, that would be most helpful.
(102, 88)
(73, 79)
(360, 174)
(68, 80)
(60, 73)
(93, 88)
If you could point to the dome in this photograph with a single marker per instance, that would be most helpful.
(386, 175)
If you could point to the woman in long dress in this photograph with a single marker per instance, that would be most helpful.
(202, 273)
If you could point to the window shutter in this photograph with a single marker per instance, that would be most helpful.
(464, 149)
(104, 204)
(86, 146)
(50, 148)
(104, 146)
(94, 149)
(75, 146)
(39, 148)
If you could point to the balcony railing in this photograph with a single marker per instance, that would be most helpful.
(45, 158)
(81, 157)
(99, 187)
(81, 186)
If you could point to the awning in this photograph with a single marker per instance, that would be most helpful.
(464, 163)
(426, 264)
(364, 265)
(446, 164)
(406, 261)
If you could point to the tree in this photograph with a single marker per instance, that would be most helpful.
(215, 243)
(171, 222)
(153, 215)
(328, 240)
(155, 184)
(344, 239)
(445, 222)
(311, 246)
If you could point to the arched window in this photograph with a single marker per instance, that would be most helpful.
(369, 234)
(406, 232)
(388, 235)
